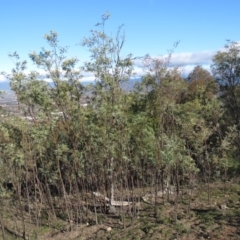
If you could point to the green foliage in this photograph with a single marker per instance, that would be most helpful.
(226, 69)
(168, 131)
(201, 85)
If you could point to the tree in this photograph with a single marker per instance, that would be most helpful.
(226, 69)
(201, 85)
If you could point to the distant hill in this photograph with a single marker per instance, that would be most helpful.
(128, 86)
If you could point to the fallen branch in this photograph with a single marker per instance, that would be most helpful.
(112, 202)
(97, 194)
(120, 203)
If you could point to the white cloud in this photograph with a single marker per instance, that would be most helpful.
(185, 70)
(3, 79)
(190, 58)
(89, 78)
(186, 58)
(138, 71)
(186, 61)
(48, 80)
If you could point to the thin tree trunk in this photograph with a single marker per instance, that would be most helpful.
(3, 228)
(64, 196)
(111, 180)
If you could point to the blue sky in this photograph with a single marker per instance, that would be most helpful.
(151, 26)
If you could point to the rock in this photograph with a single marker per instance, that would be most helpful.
(223, 207)
(112, 209)
(108, 229)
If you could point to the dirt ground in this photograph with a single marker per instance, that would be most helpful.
(201, 215)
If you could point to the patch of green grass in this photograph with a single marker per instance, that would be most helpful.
(181, 228)
(166, 233)
(210, 217)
